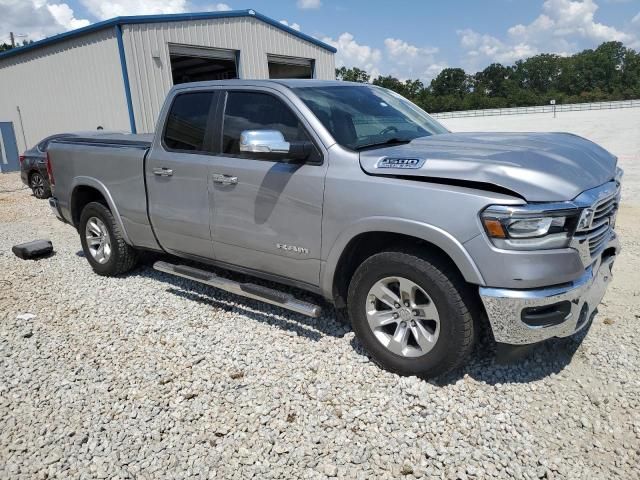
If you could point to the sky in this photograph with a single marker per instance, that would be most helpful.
(406, 39)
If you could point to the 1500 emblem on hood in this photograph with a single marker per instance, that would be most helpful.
(398, 162)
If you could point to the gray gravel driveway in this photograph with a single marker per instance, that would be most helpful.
(149, 376)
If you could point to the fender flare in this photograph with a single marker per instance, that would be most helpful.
(424, 231)
(100, 187)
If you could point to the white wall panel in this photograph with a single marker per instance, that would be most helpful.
(150, 77)
(72, 85)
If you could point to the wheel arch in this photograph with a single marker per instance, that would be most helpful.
(366, 238)
(86, 190)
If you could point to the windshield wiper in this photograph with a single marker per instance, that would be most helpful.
(386, 143)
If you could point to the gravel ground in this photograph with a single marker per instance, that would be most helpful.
(149, 376)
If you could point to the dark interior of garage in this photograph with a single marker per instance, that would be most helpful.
(197, 69)
(290, 70)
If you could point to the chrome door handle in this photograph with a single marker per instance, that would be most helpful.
(224, 179)
(163, 172)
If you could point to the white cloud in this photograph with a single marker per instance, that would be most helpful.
(396, 46)
(636, 19)
(352, 54)
(293, 25)
(567, 18)
(219, 7)
(63, 15)
(309, 4)
(433, 70)
(563, 27)
(483, 47)
(409, 61)
(105, 9)
(399, 58)
(36, 19)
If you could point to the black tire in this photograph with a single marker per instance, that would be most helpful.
(39, 185)
(450, 294)
(123, 257)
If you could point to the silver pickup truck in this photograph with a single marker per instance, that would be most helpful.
(414, 233)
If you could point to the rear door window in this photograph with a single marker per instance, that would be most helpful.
(187, 123)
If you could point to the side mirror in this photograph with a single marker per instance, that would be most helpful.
(272, 143)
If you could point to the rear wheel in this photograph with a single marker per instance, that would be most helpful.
(412, 313)
(39, 185)
(103, 242)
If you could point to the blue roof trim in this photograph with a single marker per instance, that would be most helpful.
(293, 32)
(178, 17)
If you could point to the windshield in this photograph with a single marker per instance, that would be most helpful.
(365, 116)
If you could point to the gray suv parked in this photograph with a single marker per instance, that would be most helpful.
(33, 168)
(33, 162)
(352, 192)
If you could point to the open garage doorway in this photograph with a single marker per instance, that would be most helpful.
(290, 67)
(197, 64)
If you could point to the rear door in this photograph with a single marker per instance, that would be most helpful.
(267, 214)
(177, 170)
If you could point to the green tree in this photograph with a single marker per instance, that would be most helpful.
(609, 61)
(392, 83)
(539, 73)
(410, 89)
(451, 81)
(352, 75)
(609, 72)
(413, 88)
(630, 75)
(7, 46)
(493, 80)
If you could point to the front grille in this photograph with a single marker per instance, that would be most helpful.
(603, 211)
(598, 238)
(601, 226)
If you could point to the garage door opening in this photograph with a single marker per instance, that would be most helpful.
(290, 67)
(196, 64)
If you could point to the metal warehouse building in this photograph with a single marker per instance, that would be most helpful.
(115, 74)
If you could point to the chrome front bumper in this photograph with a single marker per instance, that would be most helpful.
(505, 307)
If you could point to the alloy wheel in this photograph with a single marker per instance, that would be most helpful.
(402, 316)
(37, 185)
(98, 240)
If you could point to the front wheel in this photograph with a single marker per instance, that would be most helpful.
(412, 313)
(103, 242)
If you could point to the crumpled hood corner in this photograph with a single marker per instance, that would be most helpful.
(540, 167)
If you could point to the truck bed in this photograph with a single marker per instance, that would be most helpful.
(112, 164)
(111, 139)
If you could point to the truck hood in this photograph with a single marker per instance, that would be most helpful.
(540, 167)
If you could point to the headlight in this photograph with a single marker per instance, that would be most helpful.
(530, 227)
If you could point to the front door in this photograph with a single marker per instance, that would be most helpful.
(267, 213)
(177, 170)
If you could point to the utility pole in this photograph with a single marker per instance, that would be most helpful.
(13, 40)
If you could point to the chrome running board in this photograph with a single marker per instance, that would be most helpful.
(248, 290)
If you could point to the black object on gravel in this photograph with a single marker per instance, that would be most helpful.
(33, 250)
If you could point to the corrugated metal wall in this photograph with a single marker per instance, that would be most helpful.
(72, 85)
(150, 78)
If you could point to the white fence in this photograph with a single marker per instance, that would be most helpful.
(570, 107)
